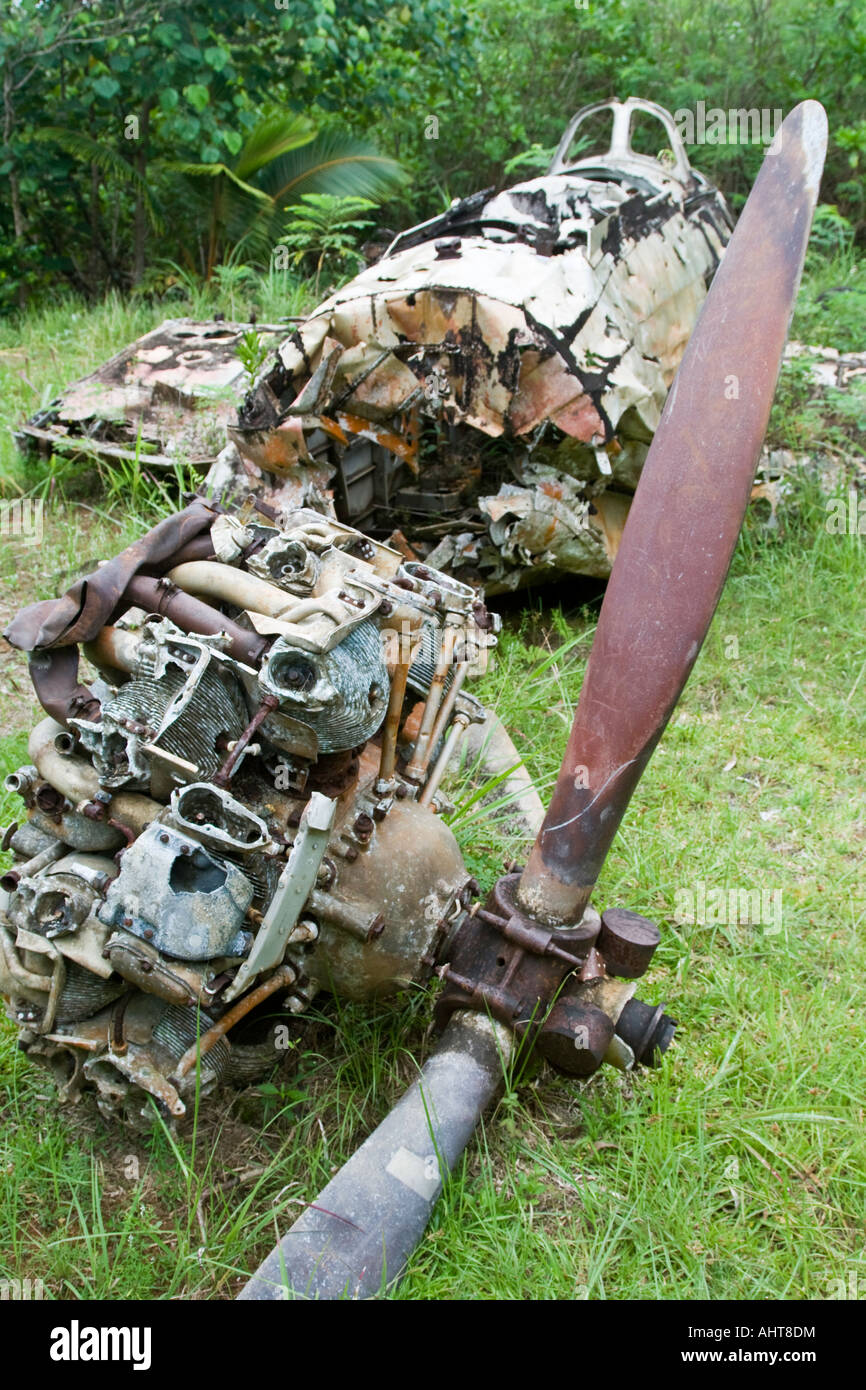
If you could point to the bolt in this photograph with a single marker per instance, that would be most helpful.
(363, 826)
(148, 933)
(467, 893)
(164, 837)
(575, 1036)
(127, 921)
(627, 942)
(326, 874)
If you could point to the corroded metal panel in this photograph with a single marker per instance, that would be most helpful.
(523, 342)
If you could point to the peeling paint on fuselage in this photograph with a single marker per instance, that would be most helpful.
(522, 338)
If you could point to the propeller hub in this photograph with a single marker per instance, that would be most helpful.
(561, 990)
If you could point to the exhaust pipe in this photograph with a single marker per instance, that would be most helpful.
(78, 780)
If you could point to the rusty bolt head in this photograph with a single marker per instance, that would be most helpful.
(326, 874)
(148, 933)
(482, 617)
(574, 1037)
(627, 942)
(164, 837)
(127, 921)
(363, 826)
(468, 891)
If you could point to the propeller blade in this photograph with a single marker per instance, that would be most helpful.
(673, 559)
(683, 524)
(355, 1238)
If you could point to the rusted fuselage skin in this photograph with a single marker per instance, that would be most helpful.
(490, 387)
(167, 398)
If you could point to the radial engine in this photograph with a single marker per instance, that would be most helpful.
(242, 809)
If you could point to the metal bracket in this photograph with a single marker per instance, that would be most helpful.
(294, 887)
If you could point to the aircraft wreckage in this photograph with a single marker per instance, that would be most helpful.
(243, 809)
(484, 394)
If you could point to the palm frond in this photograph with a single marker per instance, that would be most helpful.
(272, 137)
(333, 162)
(91, 151)
(212, 171)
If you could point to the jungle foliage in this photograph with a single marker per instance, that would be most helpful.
(138, 133)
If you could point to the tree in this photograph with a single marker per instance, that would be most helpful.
(284, 160)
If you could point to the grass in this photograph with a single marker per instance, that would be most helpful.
(736, 1170)
(831, 306)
